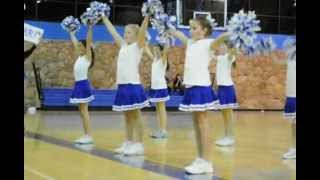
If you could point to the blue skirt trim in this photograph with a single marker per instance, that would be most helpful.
(130, 97)
(81, 92)
(227, 97)
(199, 98)
(158, 95)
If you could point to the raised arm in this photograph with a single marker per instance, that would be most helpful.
(28, 52)
(178, 34)
(118, 39)
(75, 42)
(165, 55)
(220, 40)
(148, 52)
(232, 53)
(142, 32)
(89, 42)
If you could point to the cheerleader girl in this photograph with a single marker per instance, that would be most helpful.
(159, 89)
(226, 92)
(130, 97)
(81, 93)
(290, 105)
(199, 96)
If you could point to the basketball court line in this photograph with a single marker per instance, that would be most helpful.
(166, 170)
(33, 171)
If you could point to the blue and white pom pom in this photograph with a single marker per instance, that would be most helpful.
(70, 24)
(163, 24)
(152, 8)
(289, 46)
(266, 45)
(169, 22)
(101, 9)
(148, 36)
(243, 27)
(212, 21)
(166, 40)
(90, 17)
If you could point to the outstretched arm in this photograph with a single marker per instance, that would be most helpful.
(220, 40)
(148, 51)
(118, 39)
(142, 32)
(89, 42)
(27, 53)
(165, 55)
(178, 34)
(75, 42)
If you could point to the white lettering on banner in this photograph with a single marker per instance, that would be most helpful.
(32, 33)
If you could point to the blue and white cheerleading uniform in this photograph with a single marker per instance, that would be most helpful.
(226, 91)
(130, 93)
(82, 91)
(198, 96)
(159, 88)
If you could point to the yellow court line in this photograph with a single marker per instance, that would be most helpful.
(26, 168)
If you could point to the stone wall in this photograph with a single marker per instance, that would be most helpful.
(259, 82)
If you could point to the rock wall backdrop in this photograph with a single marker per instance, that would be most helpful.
(260, 83)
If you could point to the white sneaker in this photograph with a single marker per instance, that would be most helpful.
(135, 161)
(32, 110)
(85, 147)
(226, 141)
(134, 149)
(291, 154)
(123, 146)
(160, 134)
(199, 166)
(85, 139)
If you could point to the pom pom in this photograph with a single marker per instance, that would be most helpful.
(266, 46)
(152, 8)
(70, 24)
(289, 46)
(148, 36)
(164, 39)
(212, 21)
(243, 27)
(163, 24)
(90, 17)
(101, 9)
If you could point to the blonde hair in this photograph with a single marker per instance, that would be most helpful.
(134, 27)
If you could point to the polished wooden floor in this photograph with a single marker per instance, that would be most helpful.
(261, 139)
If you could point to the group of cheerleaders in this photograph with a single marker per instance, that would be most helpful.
(199, 96)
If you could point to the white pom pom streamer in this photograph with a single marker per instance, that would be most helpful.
(152, 8)
(289, 46)
(243, 27)
(101, 9)
(70, 24)
(266, 46)
(163, 24)
(90, 17)
(212, 21)
(148, 36)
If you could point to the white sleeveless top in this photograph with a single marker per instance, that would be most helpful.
(128, 64)
(223, 70)
(291, 78)
(196, 68)
(158, 72)
(80, 68)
